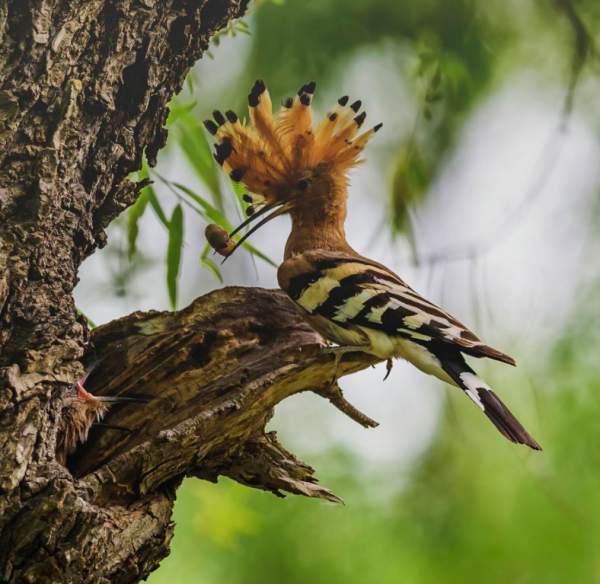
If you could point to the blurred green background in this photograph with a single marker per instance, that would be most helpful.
(482, 192)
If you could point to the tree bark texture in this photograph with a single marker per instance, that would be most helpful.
(83, 91)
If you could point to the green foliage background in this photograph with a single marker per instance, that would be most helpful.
(471, 509)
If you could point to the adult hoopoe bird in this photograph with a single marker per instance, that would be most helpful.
(291, 165)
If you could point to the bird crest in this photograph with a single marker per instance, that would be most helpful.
(285, 159)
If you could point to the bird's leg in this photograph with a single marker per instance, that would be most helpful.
(333, 392)
(338, 353)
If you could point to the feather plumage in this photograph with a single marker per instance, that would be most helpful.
(354, 291)
(292, 166)
(272, 154)
(355, 301)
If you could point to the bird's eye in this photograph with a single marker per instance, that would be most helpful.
(302, 185)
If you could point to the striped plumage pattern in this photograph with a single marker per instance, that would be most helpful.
(355, 301)
(292, 166)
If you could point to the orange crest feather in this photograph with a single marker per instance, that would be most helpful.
(274, 151)
(276, 156)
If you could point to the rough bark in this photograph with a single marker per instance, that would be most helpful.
(83, 91)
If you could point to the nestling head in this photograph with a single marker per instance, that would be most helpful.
(80, 410)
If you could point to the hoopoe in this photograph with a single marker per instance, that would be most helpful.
(290, 165)
(82, 410)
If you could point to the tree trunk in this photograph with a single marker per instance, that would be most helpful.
(83, 92)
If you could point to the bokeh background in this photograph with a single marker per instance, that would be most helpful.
(481, 191)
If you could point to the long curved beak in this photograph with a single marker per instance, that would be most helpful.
(122, 400)
(91, 368)
(252, 218)
(284, 208)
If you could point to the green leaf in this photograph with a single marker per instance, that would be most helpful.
(210, 212)
(257, 252)
(176, 111)
(174, 253)
(243, 30)
(217, 217)
(133, 216)
(457, 78)
(240, 190)
(193, 142)
(434, 97)
(436, 80)
(91, 323)
(208, 263)
(409, 186)
(153, 200)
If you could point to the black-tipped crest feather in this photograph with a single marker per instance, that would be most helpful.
(271, 155)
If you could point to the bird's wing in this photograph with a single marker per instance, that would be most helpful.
(354, 291)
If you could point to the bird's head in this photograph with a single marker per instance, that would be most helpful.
(80, 410)
(286, 162)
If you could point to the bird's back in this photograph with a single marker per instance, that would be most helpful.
(351, 297)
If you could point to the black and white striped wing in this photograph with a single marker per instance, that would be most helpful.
(350, 291)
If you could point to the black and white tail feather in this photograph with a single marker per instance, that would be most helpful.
(290, 165)
(487, 400)
(355, 301)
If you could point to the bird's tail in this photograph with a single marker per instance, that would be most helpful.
(490, 404)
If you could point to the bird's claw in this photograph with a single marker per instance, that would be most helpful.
(388, 367)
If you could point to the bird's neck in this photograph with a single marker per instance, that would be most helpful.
(319, 223)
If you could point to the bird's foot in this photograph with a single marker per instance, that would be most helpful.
(338, 352)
